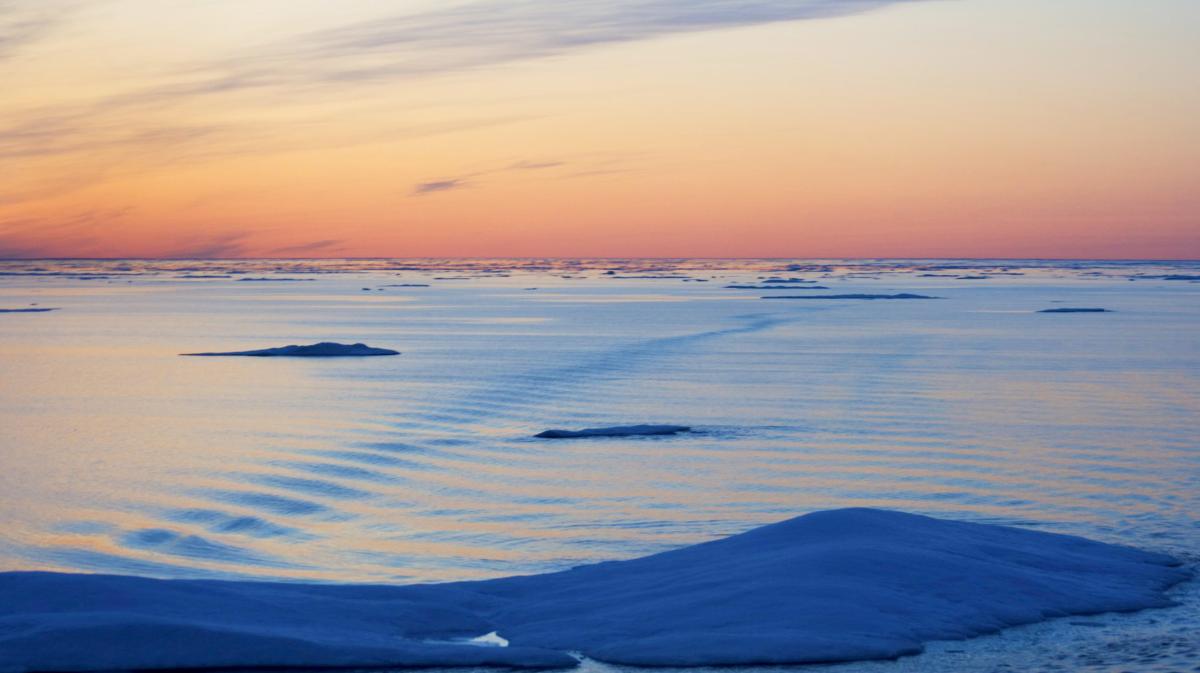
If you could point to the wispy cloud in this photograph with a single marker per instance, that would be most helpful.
(434, 186)
(68, 225)
(468, 179)
(25, 237)
(23, 22)
(210, 246)
(535, 165)
(88, 233)
(574, 166)
(141, 129)
(314, 246)
(57, 135)
(493, 32)
(466, 36)
(106, 150)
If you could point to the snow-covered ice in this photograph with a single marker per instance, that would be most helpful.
(829, 586)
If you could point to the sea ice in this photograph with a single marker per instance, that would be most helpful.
(615, 431)
(829, 586)
(325, 349)
(775, 287)
(902, 295)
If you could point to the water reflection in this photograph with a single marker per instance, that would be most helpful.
(119, 456)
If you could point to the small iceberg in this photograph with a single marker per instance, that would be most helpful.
(325, 349)
(839, 585)
(615, 431)
(1074, 310)
(902, 295)
(490, 639)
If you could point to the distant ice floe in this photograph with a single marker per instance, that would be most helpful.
(902, 295)
(775, 287)
(615, 431)
(1172, 276)
(325, 349)
(830, 586)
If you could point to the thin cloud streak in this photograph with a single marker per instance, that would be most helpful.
(500, 31)
(434, 186)
(24, 23)
(466, 180)
(403, 46)
(314, 246)
(83, 143)
(31, 237)
(215, 246)
(154, 147)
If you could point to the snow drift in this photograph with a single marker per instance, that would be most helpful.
(829, 586)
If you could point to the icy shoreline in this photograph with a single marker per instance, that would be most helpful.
(830, 586)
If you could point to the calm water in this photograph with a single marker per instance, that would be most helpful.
(118, 456)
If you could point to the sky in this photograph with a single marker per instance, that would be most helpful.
(600, 128)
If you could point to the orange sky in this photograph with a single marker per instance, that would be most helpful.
(777, 128)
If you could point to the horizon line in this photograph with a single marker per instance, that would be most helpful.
(584, 257)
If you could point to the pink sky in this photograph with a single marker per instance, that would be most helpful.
(773, 128)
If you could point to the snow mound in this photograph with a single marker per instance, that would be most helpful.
(615, 431)
(325, 349)
(830, 586)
